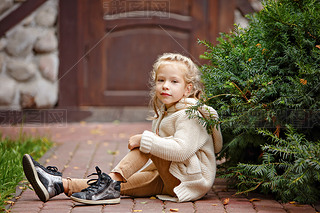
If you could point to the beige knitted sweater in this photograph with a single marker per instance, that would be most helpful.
(187, 144)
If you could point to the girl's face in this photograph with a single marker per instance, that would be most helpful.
(170, 83)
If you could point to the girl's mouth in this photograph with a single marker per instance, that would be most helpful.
(164, 94)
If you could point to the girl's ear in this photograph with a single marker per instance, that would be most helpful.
(188, 89)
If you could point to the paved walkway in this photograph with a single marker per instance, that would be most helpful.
(82, 146)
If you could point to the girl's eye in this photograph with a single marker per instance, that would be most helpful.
(175, 81)
(160, 80)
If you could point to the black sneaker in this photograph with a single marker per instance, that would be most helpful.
(103, 190)
(46, 182)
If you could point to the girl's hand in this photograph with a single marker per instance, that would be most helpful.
(134, 141)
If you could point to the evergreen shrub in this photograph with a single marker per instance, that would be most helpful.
(260, 80)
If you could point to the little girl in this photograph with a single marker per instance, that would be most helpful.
(182, 153)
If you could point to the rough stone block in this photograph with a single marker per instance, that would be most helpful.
(7, 90)
(5, 4)
(48, 66)
(46, 43)
(21, 42)
(3, 43)
(47, 95)
(46, 17)
(21, 70)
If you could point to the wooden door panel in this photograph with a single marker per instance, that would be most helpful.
(135, 49)
(130, 55)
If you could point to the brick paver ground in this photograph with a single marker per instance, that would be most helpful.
(81, 146)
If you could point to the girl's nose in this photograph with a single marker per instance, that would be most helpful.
(165, 85)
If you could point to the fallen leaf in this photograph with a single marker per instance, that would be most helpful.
(214, 204)
(137, 210)
(296, 204)
(318, 46)
(174, 210)
(75, 167)
(105, 144)
(66, 166)
(153, 198)
(9, 202)
(254, 199)
(110, 152)
(96, 132)
(144, 202)
(83, 123)
(89, 142)
(116, 122)
(122, 135)
(226, 201)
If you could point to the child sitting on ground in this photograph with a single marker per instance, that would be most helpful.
(182, 153)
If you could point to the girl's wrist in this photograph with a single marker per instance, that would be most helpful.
(146, 141)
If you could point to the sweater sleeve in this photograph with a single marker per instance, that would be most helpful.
(188, 138)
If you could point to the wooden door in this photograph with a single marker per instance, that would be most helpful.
(118, 41)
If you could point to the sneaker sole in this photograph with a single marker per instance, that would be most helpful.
(32, 176)
(92, 202)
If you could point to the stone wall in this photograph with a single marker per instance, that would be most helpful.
(29, 59)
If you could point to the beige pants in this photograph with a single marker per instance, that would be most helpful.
(153, 180)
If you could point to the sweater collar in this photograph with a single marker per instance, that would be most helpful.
(184, 103)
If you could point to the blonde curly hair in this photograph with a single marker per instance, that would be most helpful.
(192, 75)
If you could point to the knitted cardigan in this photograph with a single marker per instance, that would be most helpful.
(187, 144)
